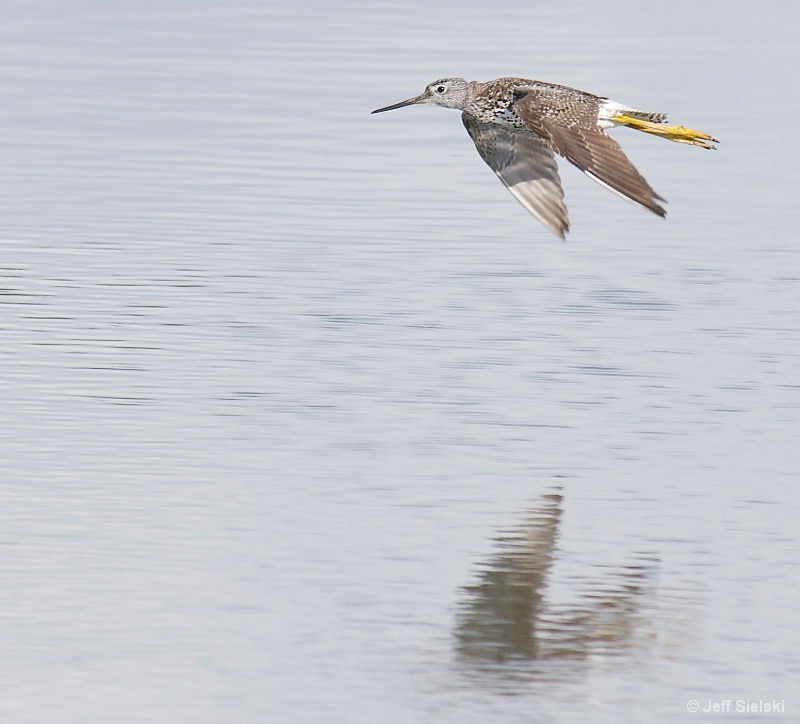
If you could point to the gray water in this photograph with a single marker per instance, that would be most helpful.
(305, 419)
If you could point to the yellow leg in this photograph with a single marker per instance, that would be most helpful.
(679, 134)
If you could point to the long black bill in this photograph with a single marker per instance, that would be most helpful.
(402, 104)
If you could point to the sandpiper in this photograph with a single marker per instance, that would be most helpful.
(518, 124)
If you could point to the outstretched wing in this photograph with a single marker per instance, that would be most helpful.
(527, 166)
(589, 148)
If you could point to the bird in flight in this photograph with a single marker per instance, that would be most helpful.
(518, 125)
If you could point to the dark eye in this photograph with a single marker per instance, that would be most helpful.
(440, 89)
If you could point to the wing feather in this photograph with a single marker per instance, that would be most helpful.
(594, 152)
(526, 165)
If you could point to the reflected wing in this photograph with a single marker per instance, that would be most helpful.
(527, 166)
(595, 153)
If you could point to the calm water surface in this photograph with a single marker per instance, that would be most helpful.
(304, 419)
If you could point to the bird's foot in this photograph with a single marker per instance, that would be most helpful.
(679, 134)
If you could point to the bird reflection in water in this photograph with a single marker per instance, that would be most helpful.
(507, 615)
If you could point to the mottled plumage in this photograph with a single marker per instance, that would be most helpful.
(518, 125)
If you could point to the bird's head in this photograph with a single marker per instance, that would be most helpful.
(447, 92)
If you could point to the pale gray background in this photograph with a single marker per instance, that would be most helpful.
(276, 374)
